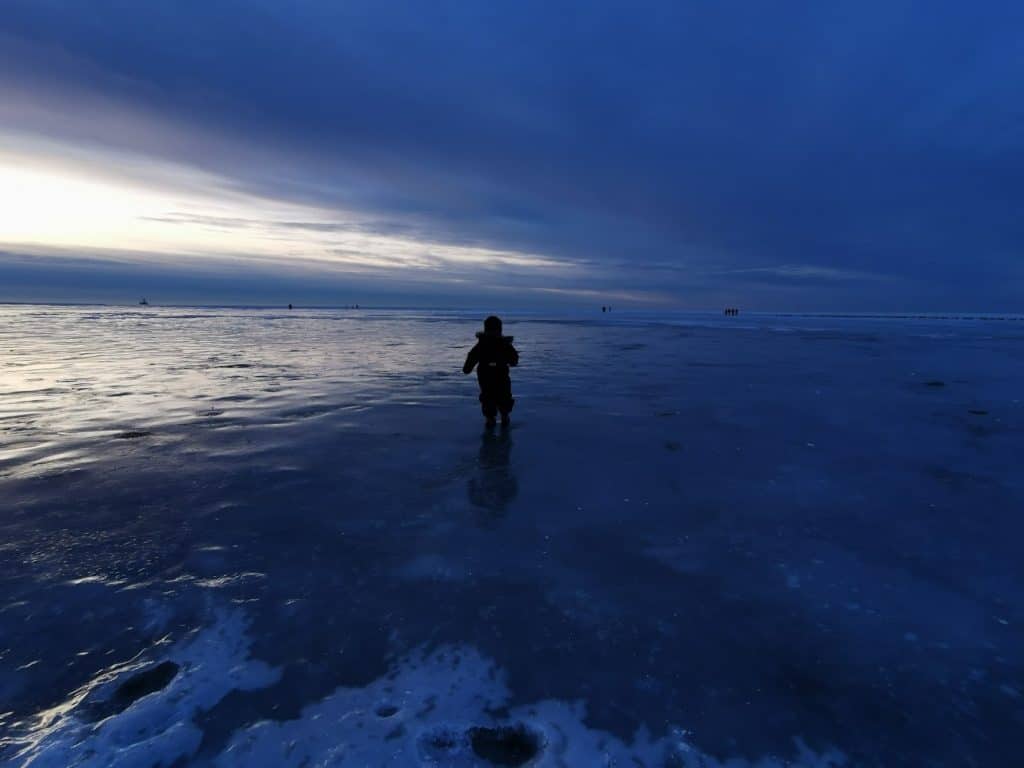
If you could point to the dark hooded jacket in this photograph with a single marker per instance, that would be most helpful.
(492, 356)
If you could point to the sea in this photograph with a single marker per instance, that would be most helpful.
(271, 537)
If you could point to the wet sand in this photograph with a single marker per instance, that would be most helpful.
(704, 538)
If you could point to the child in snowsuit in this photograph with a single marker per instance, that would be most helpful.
(492, 356)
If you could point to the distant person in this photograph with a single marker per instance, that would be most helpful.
(492, 356)
(289, 306)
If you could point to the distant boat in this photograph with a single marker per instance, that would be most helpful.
(144, 303)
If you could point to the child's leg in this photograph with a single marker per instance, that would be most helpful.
(504, 399)
(489, 407)
(506, 408)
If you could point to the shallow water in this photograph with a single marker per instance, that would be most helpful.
(703, 539)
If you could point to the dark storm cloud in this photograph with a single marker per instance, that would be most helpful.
(871, 149)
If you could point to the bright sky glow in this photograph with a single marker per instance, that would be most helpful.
(50, 202)
(859, 156)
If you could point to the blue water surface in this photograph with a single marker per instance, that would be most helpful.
(261, 537)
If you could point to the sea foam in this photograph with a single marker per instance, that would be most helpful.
(445, 707)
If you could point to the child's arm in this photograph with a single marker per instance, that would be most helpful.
(471, 359)
(513, 356)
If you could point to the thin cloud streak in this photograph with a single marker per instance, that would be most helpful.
(48, 204)
(708, 152)
(806, 272)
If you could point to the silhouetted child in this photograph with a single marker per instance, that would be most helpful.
(492, 356)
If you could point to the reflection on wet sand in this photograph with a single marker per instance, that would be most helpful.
(494, 486)
(243, 536)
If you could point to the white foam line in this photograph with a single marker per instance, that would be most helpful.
(437, 699)
(419, 714)
(159, 728)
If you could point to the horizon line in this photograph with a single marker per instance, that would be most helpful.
(839, 314)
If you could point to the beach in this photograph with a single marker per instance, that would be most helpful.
(775, 540)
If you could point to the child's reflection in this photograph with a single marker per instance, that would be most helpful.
(494, 485)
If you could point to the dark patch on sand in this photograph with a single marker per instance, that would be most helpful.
(440, 741)
(149, 680)
(505, 745)
(132, 435)
(953, 479)
(309, 411)
(982, 430)
(429, 705)
(145, 682)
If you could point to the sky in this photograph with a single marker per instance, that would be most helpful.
(805, 156)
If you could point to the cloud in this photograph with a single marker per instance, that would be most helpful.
(665, 147)
(806, 272)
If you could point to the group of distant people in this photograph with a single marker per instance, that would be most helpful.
(731, 311)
